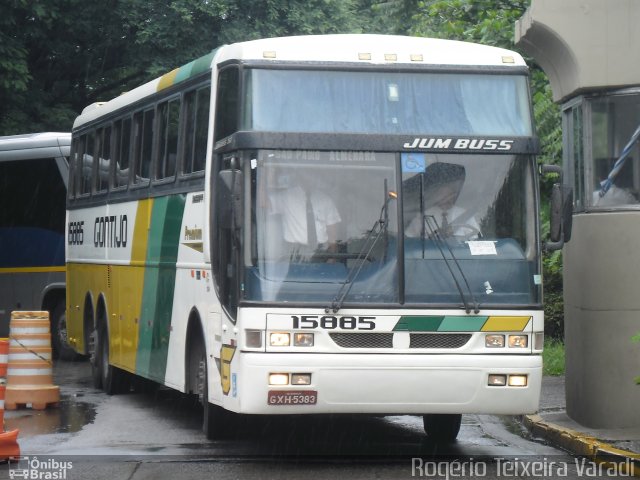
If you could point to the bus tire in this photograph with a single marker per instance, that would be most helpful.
(215, 420)
(113, 380)
(442, 428)
(59, 343)
(94, 358)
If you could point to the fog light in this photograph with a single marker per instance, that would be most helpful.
(253, 338)
(494, 341)
(300, 379)
(497, 380)
(303, 339)
(280, 339)
(538, 341)
(278, 379)
(518, 341)
(517, 380)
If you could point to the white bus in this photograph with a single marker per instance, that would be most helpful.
(33, 187)
(195, 260)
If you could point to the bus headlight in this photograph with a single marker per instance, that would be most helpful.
(517, 380)
(278, 379)
(300, 379)
(303, 339)
(518, 341)
(494, 341)
(280, 339)
(496, 380)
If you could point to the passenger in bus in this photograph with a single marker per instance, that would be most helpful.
(442, 184)
(309, 218)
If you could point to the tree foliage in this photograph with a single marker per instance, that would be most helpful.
(57, 56)
(483, 21)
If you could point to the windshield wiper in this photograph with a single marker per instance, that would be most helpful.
(379, 227)
(434, 233)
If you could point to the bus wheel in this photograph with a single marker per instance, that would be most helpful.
(61, 348)
(113, 380)
(215, 420)
(442, 428)
(94, 358)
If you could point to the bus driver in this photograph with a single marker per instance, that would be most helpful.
(442, 185)
(309, 217)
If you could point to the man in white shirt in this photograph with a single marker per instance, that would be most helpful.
(309, 218)
(442, 185)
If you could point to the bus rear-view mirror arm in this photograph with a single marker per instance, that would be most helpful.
(561, 211)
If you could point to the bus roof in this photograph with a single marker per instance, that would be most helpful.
(34, 145)
(372, 49)
(342, 48)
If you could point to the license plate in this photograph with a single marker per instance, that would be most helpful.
(307, 397)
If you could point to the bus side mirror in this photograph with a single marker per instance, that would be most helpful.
(567, 212)
(555, 214)
(229, 188)
(561, 214)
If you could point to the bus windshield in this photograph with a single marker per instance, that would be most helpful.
(367, 227)
(387, 102)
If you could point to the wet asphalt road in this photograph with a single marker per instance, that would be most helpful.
(157, 435)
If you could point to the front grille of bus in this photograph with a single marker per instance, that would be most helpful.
(438, 340)
(385, 340)
(363, 340)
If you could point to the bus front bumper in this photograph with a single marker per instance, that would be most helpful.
(385, 384)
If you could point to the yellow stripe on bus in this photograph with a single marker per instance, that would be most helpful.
(130, 283)
(141, 232)
(167, 79)
(505, 324)
(33, 269)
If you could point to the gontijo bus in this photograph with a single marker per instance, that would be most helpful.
(185, 268)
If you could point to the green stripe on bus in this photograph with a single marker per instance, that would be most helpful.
(159, 286)
(185, 72)
(439, 323)
(418, 324)
(202, 64)
(462, 324)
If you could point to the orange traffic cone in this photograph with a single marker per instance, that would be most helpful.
(9, 447)
(30, 372)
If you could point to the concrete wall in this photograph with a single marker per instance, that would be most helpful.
(583, 44)
(592, 46)
(602, 313)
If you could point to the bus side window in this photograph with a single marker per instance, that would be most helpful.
(122, 132)
(103, 149)
(168, 122)
(86, 169)
(147, 145)
(189, 129)
(227, 103)
(143, 137)
(74, 162)
(196, 112)
(203, 100)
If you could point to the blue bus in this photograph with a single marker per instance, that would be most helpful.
(33, 184)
